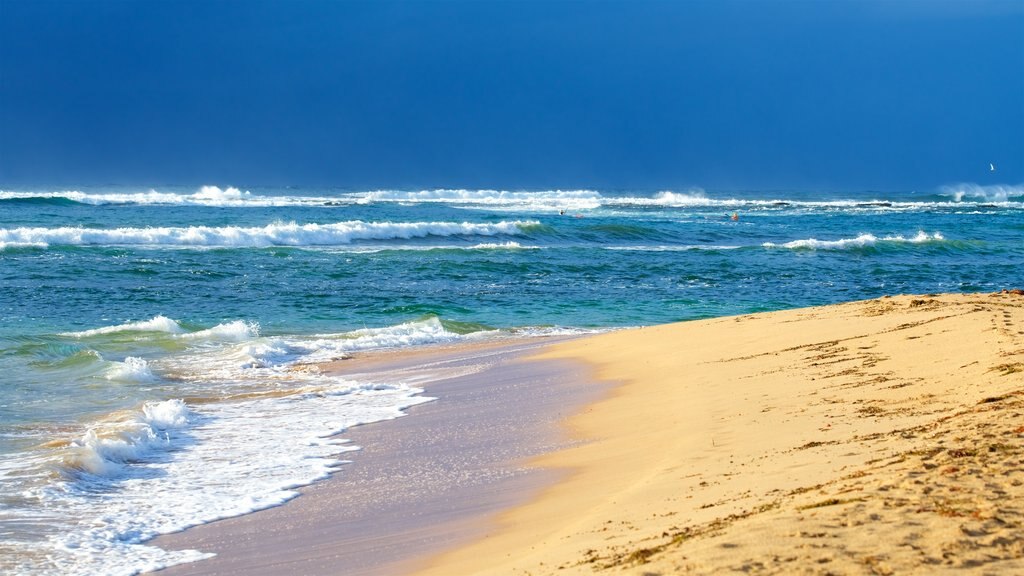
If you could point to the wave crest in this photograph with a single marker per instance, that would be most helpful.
(279, 234)
(105, 449)
(864, 240)
(158, 323)
(991, 193)
(132, 369)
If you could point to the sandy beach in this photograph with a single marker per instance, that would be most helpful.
(875, 437)
(419, 484)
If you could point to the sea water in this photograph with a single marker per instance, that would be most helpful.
(160, 348)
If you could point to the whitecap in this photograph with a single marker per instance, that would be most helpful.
(860, 241)
(988, 193)
(156, 324)
(132, 369)
(277, 234)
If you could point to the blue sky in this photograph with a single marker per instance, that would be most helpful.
(893, 95)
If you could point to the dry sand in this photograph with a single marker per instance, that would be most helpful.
(877, 437)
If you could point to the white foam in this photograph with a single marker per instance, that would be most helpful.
(692, 197)
(543, 200)
(174, 466)
(216, 195)
(132, 369)
(279, 234)
(332, 346)
(266, 428)
(166, 415)
(212, 196)
(15, 245)
(858, 242)
(681, 248)
(155, 324)
(105, 448)
(500, 246)
(995, 193)
(236, 331)
(551, 331)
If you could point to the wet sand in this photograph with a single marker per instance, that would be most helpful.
(420, 484)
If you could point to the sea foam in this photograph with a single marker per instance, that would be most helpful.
(861, 241)
(212, 196)
(172, 466)
(236, 331)
(990, 193)
(106, 448)
(156, 324)
(279, 234)
(132, 369)
(168, 465)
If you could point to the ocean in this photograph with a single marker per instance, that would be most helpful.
(160, 347)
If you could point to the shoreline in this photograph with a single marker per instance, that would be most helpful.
(420, 484)
(873, 437)
(870, 437)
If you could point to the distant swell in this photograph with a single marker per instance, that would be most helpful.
(280, 234)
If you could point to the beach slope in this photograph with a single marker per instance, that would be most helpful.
(875, 437)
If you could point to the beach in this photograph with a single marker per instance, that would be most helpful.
(447, 288)
(874, 437)
(418, 484)
(282, 374)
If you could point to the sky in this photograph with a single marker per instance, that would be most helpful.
(723, 94)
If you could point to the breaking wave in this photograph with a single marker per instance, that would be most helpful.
(105, 449)
(526, 200)
(278, 234)
(212, 196)
(158, 323)
(132, 369)
(975, 192)
(862, 241)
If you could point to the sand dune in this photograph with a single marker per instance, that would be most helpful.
(876, 437)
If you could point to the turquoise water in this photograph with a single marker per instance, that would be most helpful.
(149, 338)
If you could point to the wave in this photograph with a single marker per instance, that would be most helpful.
(996, 193)
(171, 465)
(543, 200)
(236, 331)
(106, 448)
(203, 455)
(132, 369)
(211, 196)
(862, 241)
(278, 234)
(37, 199)
(328, 347)
(14, 246)
(158, 323)
(665, 248)
(567, 201)
(532, 200)
(500, 246)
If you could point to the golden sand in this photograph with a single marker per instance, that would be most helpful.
(877, 437)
